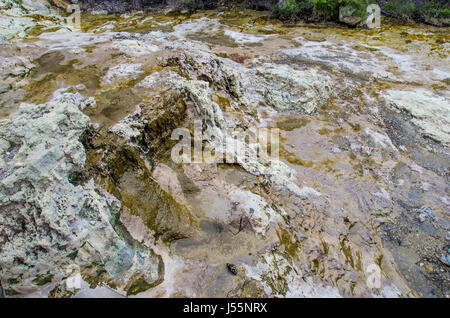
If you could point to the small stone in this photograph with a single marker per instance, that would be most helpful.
(232, 268)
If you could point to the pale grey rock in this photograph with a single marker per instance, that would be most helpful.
(44, 217)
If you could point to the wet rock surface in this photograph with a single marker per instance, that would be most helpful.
(361, 180)
(48, 223)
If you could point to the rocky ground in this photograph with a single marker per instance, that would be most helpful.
(88, 187)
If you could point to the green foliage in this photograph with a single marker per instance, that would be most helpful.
(424, 11)
(326, 7)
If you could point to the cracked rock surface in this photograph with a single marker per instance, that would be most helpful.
(89, 191)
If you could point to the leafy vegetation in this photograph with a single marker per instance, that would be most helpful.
(428, 11)
(317, 9)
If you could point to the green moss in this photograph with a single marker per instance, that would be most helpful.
(359, 265)
(277, 283)
(403, 9)
(290, 7)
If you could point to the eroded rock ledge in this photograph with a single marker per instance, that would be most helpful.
(50, 227)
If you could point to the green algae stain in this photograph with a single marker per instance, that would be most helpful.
(43, 279)
(276, 282)
(354, 259)
(251, 289)
(37, 30)
(158, 210)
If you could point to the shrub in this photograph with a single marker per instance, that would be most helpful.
(418, 10)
